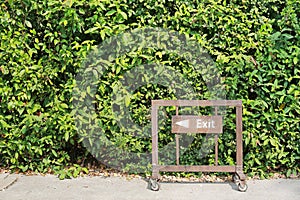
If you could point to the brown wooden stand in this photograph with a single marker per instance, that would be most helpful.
(208, 127)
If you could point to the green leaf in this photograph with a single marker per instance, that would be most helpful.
(24, 168)
(127, 100)
(64, 106)
(28, 24)
(295, 60)
(85, 170)
(54, 153)
(24, 129)
(275, 36)
(62, 175)
(4, 124)
(75, 173)
(273, 142)
(118, 69)
(124, 15)
(91, 30)
(111, 12)
(67, 136)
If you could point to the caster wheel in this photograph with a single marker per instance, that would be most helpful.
(235, 178)
(154, 185)
(243, 188)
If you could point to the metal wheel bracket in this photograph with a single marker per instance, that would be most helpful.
(242, 187)
(154, 185)
(235, 178)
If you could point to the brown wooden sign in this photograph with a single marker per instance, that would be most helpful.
(197, 124)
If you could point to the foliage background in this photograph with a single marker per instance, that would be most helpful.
(255, 44)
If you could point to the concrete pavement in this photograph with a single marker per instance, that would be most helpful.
(88, 188)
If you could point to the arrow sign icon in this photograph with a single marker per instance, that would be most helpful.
(184, 123)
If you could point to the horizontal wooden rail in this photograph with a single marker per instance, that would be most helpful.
(201, 168)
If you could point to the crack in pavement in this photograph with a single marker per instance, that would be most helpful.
(7, 180)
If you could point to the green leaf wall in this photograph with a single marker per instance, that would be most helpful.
(255, 44)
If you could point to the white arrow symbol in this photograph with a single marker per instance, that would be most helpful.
(184, 123)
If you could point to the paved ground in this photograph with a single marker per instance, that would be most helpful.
(89, 188)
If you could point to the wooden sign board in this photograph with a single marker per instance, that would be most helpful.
(197, 124)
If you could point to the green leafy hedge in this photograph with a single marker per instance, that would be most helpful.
(255, 44)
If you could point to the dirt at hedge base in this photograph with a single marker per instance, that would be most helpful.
(203, 178)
